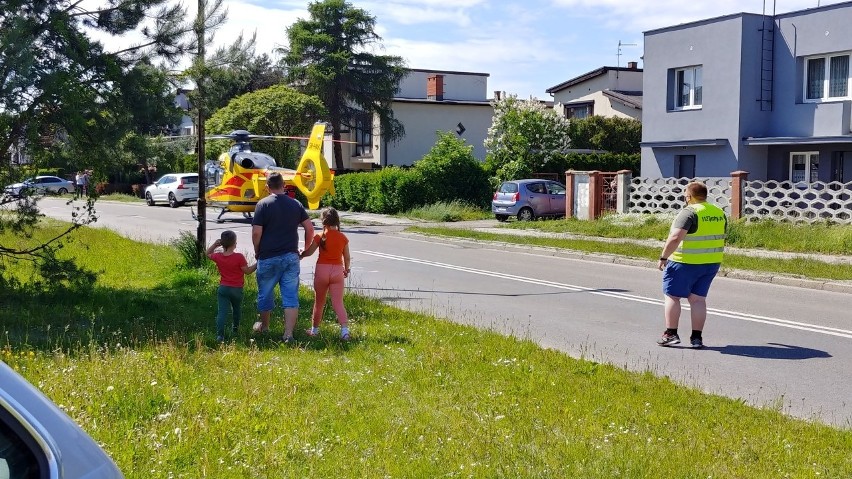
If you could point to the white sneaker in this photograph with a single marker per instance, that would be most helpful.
(258, 328)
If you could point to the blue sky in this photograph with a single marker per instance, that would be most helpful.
(526, 46)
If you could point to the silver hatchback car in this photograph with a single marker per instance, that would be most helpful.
(37, 439)
(528, 199)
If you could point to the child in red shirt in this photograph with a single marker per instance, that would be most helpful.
(232, 268)
(331, 270)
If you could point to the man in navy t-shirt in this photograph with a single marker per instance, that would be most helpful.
(275, 234)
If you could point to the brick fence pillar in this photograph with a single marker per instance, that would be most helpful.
(738, 179)
(569, 194)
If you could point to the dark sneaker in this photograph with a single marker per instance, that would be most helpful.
(220, 339)
(288, 340)
(696, 343)
(668, 339)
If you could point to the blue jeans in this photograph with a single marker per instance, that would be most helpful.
(229, 298)
(281, 270)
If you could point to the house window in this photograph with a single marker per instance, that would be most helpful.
(363, 132)
(827, 77)
(804, 167)
(579, 111)
(685, 166)
(688, 88)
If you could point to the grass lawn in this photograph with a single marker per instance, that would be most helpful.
(132, 358)
(769, 234)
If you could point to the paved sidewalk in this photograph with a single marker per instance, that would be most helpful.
(488, 226)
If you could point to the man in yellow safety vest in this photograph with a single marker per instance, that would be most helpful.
(690, 260)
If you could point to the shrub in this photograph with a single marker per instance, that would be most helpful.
(594, 161)
(394, 190)
(351, 192)
(450, 173)
(190, 252)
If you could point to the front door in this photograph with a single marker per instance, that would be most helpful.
(841, 166)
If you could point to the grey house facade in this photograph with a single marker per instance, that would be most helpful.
(768, 94)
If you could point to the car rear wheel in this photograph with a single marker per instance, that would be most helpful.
(526, 214)
(149, 199)
(173, 202)
(62, 191)
(501, 218)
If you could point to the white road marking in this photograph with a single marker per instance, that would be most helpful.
(842, 333)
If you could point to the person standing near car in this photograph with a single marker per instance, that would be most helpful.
(690, 260)
(275, 235)
(78, 185)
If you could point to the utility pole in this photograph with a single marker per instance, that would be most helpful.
(201, 239)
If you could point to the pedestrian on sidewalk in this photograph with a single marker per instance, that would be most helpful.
(331, 271)
(690, 260)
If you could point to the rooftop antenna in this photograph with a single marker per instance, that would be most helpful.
(618, 55)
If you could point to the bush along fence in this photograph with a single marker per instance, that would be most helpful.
(590, 194)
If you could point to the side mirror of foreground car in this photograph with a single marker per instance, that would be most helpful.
(37, 439)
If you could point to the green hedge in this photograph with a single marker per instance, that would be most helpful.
(448, 173)
(595, 161)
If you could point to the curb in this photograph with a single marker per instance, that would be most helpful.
(805, 283)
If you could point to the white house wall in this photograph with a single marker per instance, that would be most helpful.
(422, 121)
(612, 80)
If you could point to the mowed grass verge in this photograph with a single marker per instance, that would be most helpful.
(134, 361)
(801, 267)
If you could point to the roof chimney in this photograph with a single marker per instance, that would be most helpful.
(435, 88)
(497, 95)
(633, 65)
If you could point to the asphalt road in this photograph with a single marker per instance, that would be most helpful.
(769, 345)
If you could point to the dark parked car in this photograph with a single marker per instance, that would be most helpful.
(528, 199)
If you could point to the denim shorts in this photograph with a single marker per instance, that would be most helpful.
(680, 280)
(281, 270)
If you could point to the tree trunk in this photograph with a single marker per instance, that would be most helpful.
(336, 145)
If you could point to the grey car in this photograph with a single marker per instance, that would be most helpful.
(528, 199)
(37, 439)
(40, 184)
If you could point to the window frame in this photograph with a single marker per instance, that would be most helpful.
(826, 79)
(587, 107)
(809, 172)
(362, 133)
(677, 88)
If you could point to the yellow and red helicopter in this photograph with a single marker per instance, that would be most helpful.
(239, 175)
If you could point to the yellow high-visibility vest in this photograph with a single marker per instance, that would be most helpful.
(707, 244)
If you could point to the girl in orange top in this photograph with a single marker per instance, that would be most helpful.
(331, 270)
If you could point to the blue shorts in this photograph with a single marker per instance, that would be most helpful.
(680, 280)
(281, 270)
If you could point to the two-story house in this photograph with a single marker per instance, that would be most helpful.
(768, 94)
(427, 101)
(607, 91)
